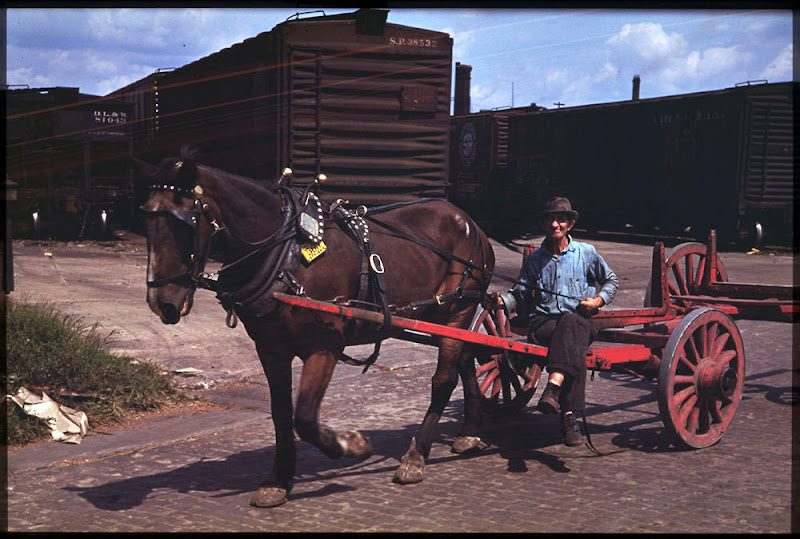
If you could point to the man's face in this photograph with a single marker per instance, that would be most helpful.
(557, 225)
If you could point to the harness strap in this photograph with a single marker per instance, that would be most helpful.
(449, 256)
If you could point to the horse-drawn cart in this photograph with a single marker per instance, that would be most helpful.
(685, 336)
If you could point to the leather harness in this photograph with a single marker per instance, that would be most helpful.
(275, 272)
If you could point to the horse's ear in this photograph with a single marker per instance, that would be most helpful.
(144, 168)
(143, 171)
(186, 173)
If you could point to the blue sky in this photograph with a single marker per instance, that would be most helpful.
(571, 56)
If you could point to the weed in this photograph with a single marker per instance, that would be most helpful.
(54, 352)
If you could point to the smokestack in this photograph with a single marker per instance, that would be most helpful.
(461, 104)
(636, 82)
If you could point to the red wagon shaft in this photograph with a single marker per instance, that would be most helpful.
(412, 325)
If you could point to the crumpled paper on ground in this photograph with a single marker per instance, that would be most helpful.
(67, 425)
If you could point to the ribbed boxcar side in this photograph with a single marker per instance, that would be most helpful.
(767, 162)
(677, 165)
(370, 110)
(366, 103)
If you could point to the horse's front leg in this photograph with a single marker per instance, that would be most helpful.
(468, 439)
(442, 384)
(276, 487)
(317, 371)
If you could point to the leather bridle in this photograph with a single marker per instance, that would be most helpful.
(192, 277)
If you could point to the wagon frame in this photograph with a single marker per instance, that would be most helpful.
(685, 337)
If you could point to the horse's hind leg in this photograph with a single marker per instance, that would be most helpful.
(274, 489)
(442, 384)
(317, 372)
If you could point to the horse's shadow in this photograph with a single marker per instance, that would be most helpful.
(521, 438)
(241, 473)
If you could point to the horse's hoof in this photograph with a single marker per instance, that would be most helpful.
(269, 497)
(354, 445)
(467, 444)
(411, 468)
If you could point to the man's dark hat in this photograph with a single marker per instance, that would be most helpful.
(558, 205)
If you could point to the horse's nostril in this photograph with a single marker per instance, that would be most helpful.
(170, 312)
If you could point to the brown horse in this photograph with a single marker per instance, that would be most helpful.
(427, 250)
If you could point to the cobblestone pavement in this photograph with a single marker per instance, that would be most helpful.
(197, 473)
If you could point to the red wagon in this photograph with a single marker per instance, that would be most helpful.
(685, 337)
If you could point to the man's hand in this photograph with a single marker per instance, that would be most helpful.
(591, 305)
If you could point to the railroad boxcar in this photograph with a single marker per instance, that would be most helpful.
(676, 165)
(363, 101)
(67, 156)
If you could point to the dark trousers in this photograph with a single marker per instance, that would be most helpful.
(567, 337)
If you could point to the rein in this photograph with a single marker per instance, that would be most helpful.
(449, 256)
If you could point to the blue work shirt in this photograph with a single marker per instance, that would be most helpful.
(576, 273)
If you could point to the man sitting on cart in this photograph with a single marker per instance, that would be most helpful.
(563, 282)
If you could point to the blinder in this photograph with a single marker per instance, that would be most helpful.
(191, 219)
(188, 217)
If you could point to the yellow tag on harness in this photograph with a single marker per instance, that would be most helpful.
(311, 251)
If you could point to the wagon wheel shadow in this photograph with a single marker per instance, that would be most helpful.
(527, 436)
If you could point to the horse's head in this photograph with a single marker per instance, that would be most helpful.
(178, 237)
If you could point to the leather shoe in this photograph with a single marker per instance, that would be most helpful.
(548, 404)
(570, 431)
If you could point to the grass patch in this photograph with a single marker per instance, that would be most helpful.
(50, 351)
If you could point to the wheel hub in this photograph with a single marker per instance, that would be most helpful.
(715, 380)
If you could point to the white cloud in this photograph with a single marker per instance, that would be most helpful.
(580, 88)
(480, 94)
(699, 66)
(649, 41)
(780, 69)
(25, 75)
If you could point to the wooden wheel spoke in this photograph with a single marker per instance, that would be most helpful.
(683, 395)
(698, 278)
(716, 413)
(490, 326)
(680, 281)
(490, 378)
(726, 357)
(486, 367)
(692, 346)
(685, 361)
(693, 418)
(686, 409)
(683, 379)
(701, 341)
(710, 338)
(720, 343)
(496, 386)
(703, 417)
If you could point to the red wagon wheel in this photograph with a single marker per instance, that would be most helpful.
(507, 380)
(685, 264)
(701, 377)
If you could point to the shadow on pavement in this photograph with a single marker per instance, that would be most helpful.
(519, 438)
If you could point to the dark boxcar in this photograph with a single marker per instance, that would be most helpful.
(674, 165)
(363, 101)
(478, 163)
(68, 156)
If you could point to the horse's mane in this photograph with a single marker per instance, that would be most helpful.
(189, 155)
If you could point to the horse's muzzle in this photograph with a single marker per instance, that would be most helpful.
(171, 313)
